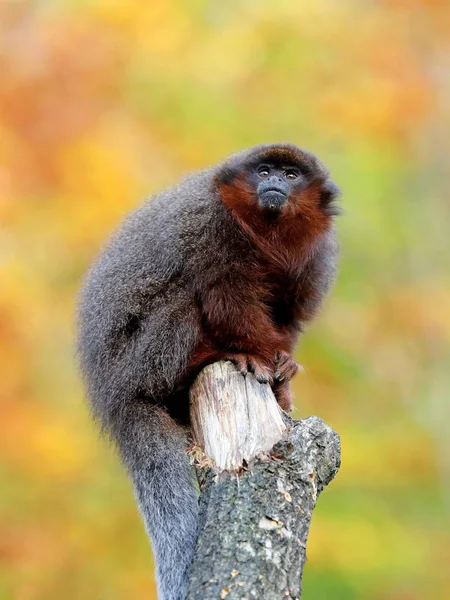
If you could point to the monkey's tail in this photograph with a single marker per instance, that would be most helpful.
(153, 447)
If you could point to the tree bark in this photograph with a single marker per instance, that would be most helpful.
(260, 474)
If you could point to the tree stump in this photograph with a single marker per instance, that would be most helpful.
(260, 474)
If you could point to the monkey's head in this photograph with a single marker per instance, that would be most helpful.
(277, 180)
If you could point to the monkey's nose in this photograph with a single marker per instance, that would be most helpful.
(274, 179)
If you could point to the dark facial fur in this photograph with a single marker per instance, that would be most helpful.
(279, 176)
(228, 264)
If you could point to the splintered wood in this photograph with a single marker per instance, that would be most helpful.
(233, 418)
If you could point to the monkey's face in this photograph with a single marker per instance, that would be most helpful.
(277, 179)
(274, 183)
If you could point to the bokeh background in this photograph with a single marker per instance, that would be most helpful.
(102, 103)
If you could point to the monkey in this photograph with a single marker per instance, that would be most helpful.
(229, 264)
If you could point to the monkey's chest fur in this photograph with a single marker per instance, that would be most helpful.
(280, 299)
(251, 305)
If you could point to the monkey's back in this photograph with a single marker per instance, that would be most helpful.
(140, 294)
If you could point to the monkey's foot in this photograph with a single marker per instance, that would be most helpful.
(285, 367)
(284, 397)
(249, 363)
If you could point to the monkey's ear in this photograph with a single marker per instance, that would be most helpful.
(329, 194)
(229, 171)
(227, 175)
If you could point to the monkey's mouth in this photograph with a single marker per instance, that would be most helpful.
(273, 199)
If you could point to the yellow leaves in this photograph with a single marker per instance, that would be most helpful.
(377, 105)
(394, 456)
(229, 55)
(159, 30)
(359, 546)
(42, 443)
(94, 178)
(408, 310)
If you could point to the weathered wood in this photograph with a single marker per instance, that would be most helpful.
(254, 523)
(233, 418)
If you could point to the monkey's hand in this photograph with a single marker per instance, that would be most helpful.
(285, 367)
(250, 363)
(283, 395)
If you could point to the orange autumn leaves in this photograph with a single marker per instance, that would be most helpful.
(104, 103)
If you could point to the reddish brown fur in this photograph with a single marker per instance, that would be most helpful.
(287, 243)
(283, 248)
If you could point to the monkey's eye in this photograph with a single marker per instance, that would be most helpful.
(291, 174)
(264, 172)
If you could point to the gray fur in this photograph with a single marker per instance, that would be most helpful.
(139, 322)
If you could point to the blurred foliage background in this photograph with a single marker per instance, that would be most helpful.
(102, 103)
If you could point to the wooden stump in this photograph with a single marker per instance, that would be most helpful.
(260, 474)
